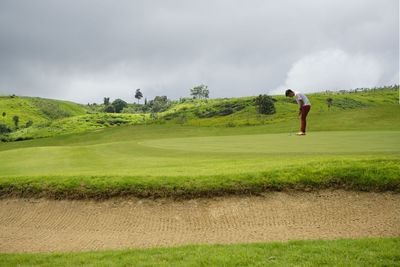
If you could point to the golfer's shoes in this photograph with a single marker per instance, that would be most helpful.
(301, 133)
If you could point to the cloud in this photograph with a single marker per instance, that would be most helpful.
(86, 50)
(333, 69)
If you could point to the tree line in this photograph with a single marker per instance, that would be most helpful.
(158, 104)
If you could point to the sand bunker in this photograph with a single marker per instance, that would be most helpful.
(40, 225)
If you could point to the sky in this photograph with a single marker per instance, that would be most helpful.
(86, 50)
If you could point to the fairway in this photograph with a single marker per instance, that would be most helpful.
(211, 155)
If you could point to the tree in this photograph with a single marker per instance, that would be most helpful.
(109, 109)
(159, 104)
(106, 101)
(265, 104)
(4, 114)
(138, 95)
(200, 91)
(119, 104)
(16, 120)
(329, 102)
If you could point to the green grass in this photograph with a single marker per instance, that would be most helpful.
(35, 109)
(160, 160)
(208, 112)
(77, 124)
(53, 117)
(354, 148)
(345, 252)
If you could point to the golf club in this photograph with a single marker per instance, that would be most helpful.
(293, 124)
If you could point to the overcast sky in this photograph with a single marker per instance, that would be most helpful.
(88, 49)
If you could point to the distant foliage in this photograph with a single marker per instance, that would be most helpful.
(329, 102)
(4, 129)
(29, 124)
(347, 103)
(265, 104)
(200, 91)
(50, 109)
(159, 104)
(16, 121)
(138, 95)
(106, 101)
(109, 109)
(119, 105)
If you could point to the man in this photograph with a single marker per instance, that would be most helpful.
(305, 106)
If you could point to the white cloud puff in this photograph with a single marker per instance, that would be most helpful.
(333, 69)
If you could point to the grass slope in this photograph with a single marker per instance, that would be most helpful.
(241, 111)
(77, 124)
(35, 109)
(210, 113)
(345, 252)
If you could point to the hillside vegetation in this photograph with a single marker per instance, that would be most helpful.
(53, 117)
(35, 111)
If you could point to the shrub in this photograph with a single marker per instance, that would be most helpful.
(159, 104)
(109, 109)
(265, 104)
(29, 123)
(16, 121)
(119, 105)
(226, 112)
(4, 129)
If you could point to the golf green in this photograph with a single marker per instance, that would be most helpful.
(318, 142)
(192, 156)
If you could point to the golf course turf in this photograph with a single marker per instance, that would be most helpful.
(355, 149)
(204, 166)
(176, 161)
(345, 252)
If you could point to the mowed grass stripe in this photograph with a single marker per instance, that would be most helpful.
(317, 142)
(344, 252)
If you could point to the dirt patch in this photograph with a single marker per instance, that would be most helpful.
(41, 225)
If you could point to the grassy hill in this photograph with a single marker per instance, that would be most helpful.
(54, 117)
(37, 110)
(241, 111)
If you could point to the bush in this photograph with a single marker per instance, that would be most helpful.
(109, 109)
(226, 112)
(4, 129)
(265, 104)
(119, 105)
(159, 104)
(16, 121)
